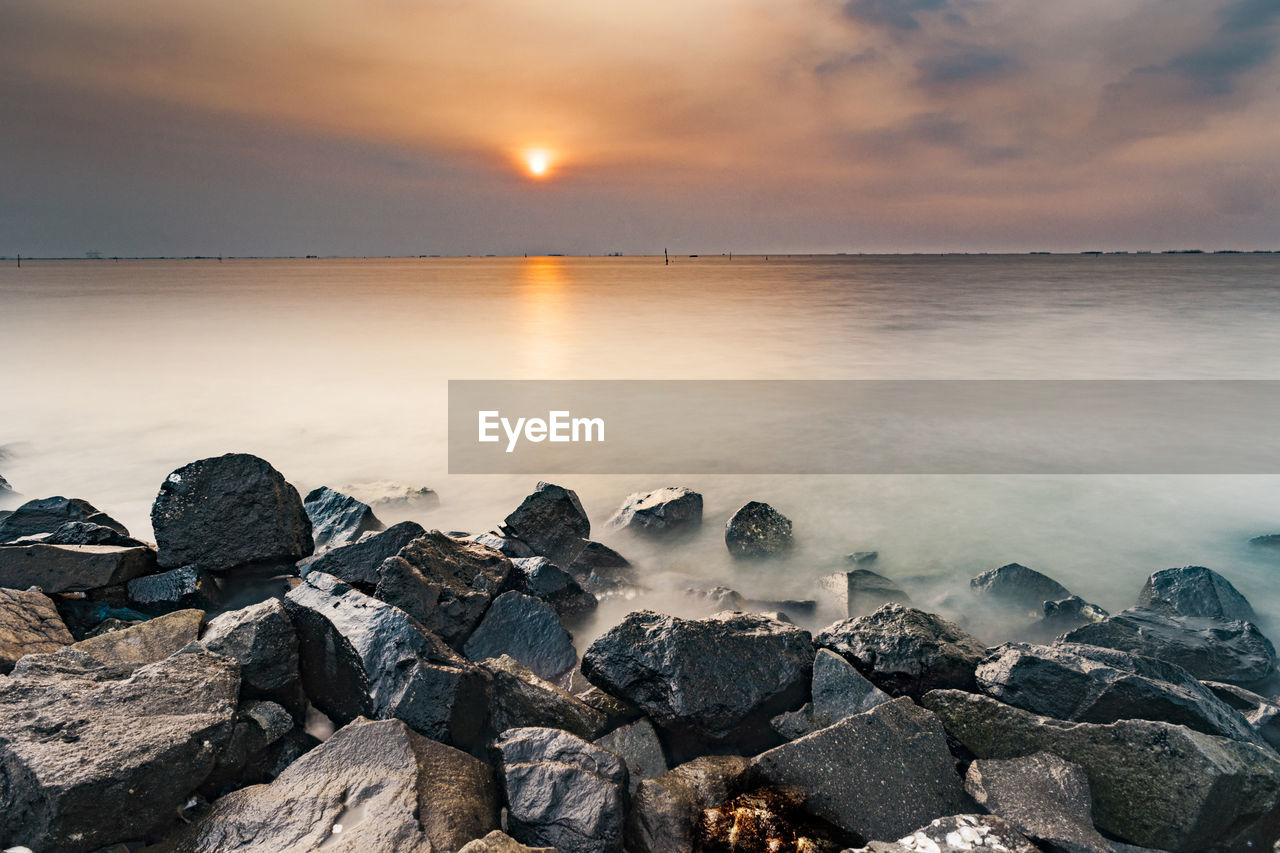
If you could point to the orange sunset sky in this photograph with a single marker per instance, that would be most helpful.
(405, 126)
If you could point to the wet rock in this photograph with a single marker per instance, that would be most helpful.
(562, 792)
(596, 557)
(259, 733)
(262, 640)
(617, 711)
(227, 511)
(46, 515)
(958, 834)
(29, 625)
(513, 548)
(1262, 713)
(905, 651)
(1064, 615)
(72, 568)
(1154, 784)
(543, 579)
(1043, 796)
(358, 562)
(446, 584)
(667, 810)
(338, 519)
(769, 820)
(1271, 540)
(147, 642)
(552, 522)
(1019, 586)
(373, 786)
(529, 631)
(757, 530)
(878, 774)
(176, 589)
(361, 657)
(88, 533)
(1195, 591)
(862, 558)
(660, 511)
(522, 699)
(717, 598)
(392, 497)
(838, 691)
(92, 755)
(715, 681)
(1209, 648)
(862, 591)
(499, 842)
(638, 746)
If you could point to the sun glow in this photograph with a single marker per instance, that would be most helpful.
(538, 162)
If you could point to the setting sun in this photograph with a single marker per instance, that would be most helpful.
(538, 162)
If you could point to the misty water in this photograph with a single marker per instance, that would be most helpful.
(335, 371)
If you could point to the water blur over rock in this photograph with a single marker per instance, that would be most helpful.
(862, 591)
(1019, 586)
(673, 509)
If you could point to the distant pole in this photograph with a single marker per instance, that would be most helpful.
(666, 259)
(19, 260)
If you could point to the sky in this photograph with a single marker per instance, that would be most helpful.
(375, 127)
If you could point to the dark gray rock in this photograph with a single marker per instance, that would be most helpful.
(1043, 796)
(176, 589)
(1154, 784)
(358, 562)
(660, 511)
(562, 792)
(1195, 591)
(958, 834)
(260, 733)
(541, 578)
(1019, 586)
(262, 640)
(361, 657)
(1262, 713)
(338, 519)
(46, 515)
(146, 642)
(522, 699)
(552, 522)
(446, 584)
(72, 568)
(373, 786)
(638, 746)
(862, 558)
(862, 591)
(1209, 648)
(665, 811)
(905, 651)
(513, 548)
(29, 625)
(1271, 540)
(617, 711)
(529, 631)
(596, 557)
(1064, 615)
(229, 511)
(499, 842)
(757, 530)
(838, 691)
(92, 755)
(88, 533)
(879, 774)
(715, 681)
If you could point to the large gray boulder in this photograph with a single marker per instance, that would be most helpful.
(1195, 591)
(45, 515)
(552, 522)
(757, 530)
(528, 630)
(879, 774)
(666, 810)
(1154, 784)
(862, 591)
(92, 755)
(29, 625)
(260, 638)
(522, 699)
(358, 563)
(1018, 586)
(374, 787)
(674, 508)
(338, 519)
(229, 511)
(72, 568)
(958, 834)
(838, 691)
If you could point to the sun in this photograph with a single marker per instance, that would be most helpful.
(538, 162)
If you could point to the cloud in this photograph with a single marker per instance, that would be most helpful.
(966, 64)
(902, 15)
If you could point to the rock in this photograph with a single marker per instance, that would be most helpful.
(513, 548)
(373, 786)
(176, 589)
(446, 584)
(338, 519)
(396, 498)
(499, 842)
(862, 591)
(718, 598)
(1195, 591)
(147, 642)
(666, 811)
(228, 511)
(1019, 587)
(1209, 648)
(1043, 796)
(958, 834)
(260, 732)
(1269, 541)
(562, 792)
(72, 568)
(262, 640)
(522, 699)
(838, 691)
(361, 657)
(757, 530)
(48, 514)
(88, 533)
(529, 631)
(617, 711)
(1064, 615)
(86, 617)
(91, 755)
(1154, 784)
(905, 651)
(358, 563)
(6, 490)
(540, 578)
(552, 522)
(638, 746)
(766, 819)
(596, 557)
(1262, 714)
(714, 681)
(29, 625)
(878, 774)
(660, 511)
(862, 558)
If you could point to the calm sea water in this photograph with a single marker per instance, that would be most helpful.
(335, 371)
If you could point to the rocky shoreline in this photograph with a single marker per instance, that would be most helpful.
(285, 673)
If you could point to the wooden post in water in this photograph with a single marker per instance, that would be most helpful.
(19, 260)
(666, 259)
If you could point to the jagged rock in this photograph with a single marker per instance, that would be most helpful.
(262, 640)
(1195, 591)
(552, 522)
(1262, 713)
(522, 699)
(862, 591)
(715, 681)
(562, 792)
(666, 811)
(6, 490)
(176, 589)
(29, 625)
(1209, 648)
(638, 746)
(660, 511)
(499, 842)
(88, 533)
(838, 691)
(617, 711)
(72, 568)
(766, 819)
(46, 515)
(1043, 796)
(878, 774)
(1154, 784)
(526, 629)
(393, 497)
(338, 519)
(444, 583)
(1089, 684)
(1019, 587)
(374, 787)
(541, 578)
(862, 558)
(91, 755)
(249, 757)
(717, 598)
(757, 530)
(513, 548)
(147, 642)
(358, 562)
(958, 834)
(596, 557)
(361, 657)
(905, 651)
(229, 511)
(1064, 615)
